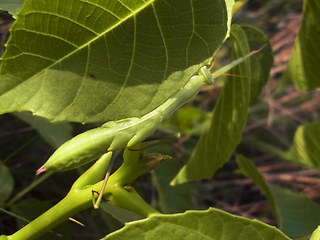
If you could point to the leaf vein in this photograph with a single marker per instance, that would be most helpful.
(48, 35)
(65, 18)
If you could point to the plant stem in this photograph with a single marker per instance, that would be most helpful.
(78, 200)
(80, 194)
(128, 198)
(71, 204)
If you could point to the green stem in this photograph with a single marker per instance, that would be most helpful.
(71, 204)
(80, 195)
(128, 198)
(79, 199)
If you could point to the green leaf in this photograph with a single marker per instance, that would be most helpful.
(303, 69)
(316, 234)
(12, 6)
(306, 145)
(54, 133)
(119, 214)
(229, 118)
(298, 214)
(6, 183)
(172, 199)
(261, 62)
(91, 62)
(210, 224)
(250, 170)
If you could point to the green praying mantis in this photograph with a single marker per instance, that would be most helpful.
(114, 136)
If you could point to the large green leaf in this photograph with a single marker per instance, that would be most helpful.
(261, 62)
(229, 118)
(172, 199)
(92, 61)
(306, 145)
(120, 214)
(249, 169)
(12, 6)
(297, 215)
(201, 225)
(303, 68)
(316, 234)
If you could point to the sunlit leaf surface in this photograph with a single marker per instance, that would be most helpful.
(201, 225)
(92, 61)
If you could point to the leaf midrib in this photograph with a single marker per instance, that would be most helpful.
(94, 39)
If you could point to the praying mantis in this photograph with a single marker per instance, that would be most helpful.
(114, 136)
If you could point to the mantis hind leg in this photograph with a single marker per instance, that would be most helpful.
(96, 204)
